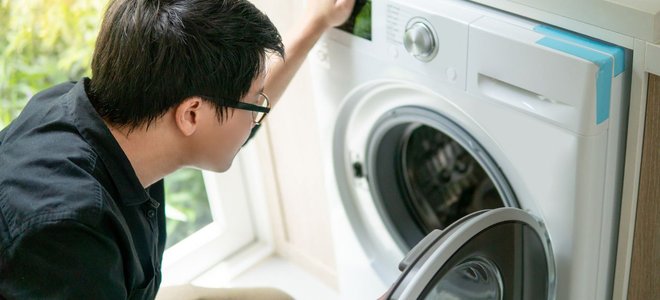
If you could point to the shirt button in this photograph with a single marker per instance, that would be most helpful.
(151, 213)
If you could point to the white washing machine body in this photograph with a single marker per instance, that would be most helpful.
(539, 109)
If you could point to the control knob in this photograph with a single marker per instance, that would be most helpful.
(419, 41)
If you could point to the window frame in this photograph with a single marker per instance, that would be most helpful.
(231, 196)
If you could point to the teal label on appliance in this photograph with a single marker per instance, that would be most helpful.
(609, 58)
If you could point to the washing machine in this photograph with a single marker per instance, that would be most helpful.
(470, 153)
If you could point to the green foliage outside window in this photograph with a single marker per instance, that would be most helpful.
(187, 205)
(43, 43)
(46, 42)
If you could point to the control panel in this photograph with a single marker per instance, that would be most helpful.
(407, 37)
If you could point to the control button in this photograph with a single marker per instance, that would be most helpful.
(322, 57)
(451, 74)
(420, 41)
(394, 52)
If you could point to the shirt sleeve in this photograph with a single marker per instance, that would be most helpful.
(67, 260)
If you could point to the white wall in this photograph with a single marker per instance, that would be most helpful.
(298, 204)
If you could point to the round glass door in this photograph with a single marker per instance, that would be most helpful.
(442, 181)
(476, 278)
(499, 254)
(427, 172)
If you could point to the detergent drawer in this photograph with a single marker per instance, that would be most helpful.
(565, 78)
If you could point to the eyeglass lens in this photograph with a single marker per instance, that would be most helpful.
(263, 102)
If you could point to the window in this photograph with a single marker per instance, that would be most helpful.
(231, 230)
(43, 43)
(187, 206)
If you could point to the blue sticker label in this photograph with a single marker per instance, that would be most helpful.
(616, 51)
(610, 60)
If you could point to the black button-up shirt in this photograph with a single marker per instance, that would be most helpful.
(75, 222)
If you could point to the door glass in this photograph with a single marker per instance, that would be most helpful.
(186, 204)
(477, 279)
(504, 261)
(443, 181)
(422, 178)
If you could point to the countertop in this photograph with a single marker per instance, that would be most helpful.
(634, 24)
(634, 18)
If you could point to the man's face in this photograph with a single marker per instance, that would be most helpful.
(220, 140)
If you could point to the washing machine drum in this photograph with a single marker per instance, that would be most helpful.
(427, 173)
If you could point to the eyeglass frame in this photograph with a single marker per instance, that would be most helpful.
(250, 107)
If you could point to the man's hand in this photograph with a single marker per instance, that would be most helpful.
(329, 13)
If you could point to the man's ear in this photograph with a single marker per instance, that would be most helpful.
(187, 115)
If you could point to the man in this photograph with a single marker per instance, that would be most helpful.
(174, 83)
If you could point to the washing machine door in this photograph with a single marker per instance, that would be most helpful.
(498, 254)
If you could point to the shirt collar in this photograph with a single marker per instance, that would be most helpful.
(96, 133)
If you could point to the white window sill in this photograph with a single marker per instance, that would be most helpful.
(256, 266)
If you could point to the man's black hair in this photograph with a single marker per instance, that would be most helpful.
(150, 55)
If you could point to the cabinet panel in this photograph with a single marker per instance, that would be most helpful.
(644, 272)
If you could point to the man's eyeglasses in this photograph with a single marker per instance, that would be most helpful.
(259, 110)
